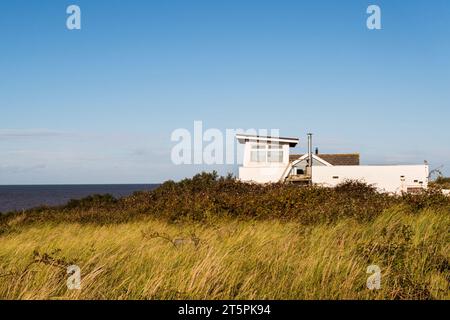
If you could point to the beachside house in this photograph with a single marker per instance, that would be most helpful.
(268, 160)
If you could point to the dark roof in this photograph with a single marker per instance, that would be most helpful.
(242, 138)
(265, 137)
(336, 159)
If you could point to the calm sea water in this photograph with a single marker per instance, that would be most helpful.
(25, 197)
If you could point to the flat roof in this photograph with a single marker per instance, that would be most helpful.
(248, 137)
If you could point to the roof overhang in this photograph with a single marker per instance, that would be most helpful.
(243, 138)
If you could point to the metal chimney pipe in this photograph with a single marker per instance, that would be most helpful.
(310, 154)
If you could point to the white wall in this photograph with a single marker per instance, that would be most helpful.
(261, 174)
(384, 178)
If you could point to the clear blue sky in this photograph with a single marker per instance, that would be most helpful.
(98, 105)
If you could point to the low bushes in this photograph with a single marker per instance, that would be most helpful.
(207, 196)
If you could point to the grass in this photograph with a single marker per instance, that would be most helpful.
(147, 254)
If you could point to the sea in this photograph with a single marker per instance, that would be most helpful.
(22, 197)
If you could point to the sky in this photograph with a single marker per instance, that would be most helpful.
(99, 105)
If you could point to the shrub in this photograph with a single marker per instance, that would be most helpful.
(208, 196)
(442, 182)
(92, 201)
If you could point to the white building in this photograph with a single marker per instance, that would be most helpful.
(267, 160)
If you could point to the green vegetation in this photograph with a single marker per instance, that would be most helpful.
(442, 182)
(212, 237)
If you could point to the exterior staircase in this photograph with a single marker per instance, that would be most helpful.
(299, 179)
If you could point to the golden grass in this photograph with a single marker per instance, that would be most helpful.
(232, 260)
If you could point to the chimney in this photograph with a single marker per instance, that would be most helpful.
(310, 155)
(317, 151)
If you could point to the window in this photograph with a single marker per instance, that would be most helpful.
(266, 153)
(258, 156)
(258, 153)
(275, 156)
(259, 146)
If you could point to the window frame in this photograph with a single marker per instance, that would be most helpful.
(263, 153)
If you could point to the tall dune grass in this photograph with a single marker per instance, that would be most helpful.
(232, 259)
(215, 238)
